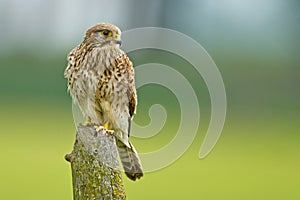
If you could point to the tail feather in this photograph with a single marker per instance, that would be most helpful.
(130, 161)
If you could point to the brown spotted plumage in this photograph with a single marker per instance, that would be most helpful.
(101, 82)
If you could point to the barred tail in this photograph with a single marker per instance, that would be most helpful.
(130, 161)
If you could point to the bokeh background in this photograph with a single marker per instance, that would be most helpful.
(256, 46)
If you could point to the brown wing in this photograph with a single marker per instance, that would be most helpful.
(132, 94)
(129, 157)
(123, 63)
(131, 91)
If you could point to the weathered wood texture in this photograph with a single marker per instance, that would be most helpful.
(95, 166)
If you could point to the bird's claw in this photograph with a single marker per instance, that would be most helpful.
(88, 122)
(100, 128)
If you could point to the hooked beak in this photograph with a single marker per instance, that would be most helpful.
(119, 41)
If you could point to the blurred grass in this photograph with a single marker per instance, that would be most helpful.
(251, 160)
(257, 156)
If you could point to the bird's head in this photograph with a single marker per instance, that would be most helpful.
(102, 35)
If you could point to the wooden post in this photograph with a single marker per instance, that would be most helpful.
(95, 166)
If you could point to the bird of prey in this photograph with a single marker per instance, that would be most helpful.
(101, 82)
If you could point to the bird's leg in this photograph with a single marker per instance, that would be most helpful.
(104, 127)
(88, 122)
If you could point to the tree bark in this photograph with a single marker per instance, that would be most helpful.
(95, 166)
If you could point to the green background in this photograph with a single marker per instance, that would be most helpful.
(256, 47)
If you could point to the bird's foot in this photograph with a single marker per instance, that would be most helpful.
(88, 122)
(100, 128)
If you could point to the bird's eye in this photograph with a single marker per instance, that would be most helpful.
(106, 33)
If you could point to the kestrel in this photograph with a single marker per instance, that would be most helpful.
(101, 82)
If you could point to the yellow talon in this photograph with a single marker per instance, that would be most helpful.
(88, 122)
(99, 128)
(104, 127)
